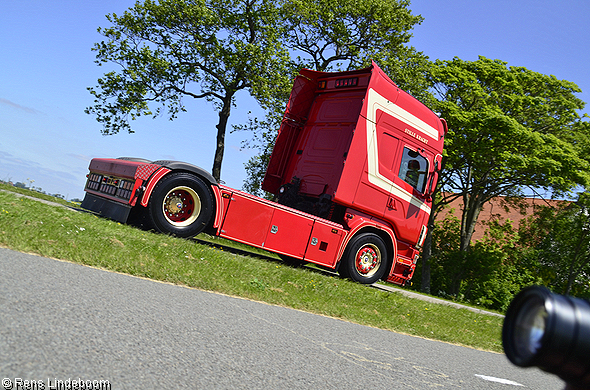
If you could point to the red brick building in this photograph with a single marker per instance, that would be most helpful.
(498, 208)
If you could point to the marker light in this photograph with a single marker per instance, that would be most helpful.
(549, 331)
(349, 82)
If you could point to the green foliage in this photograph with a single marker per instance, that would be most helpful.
(488, 274)
(509, 128)
(559, 238)
(171, 49)
(329, 34)
(264, 133)
(256, 168)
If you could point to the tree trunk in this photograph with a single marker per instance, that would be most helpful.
(221, 129)
(426, 255)
(471, 209)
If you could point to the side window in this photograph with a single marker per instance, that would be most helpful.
(414, 169)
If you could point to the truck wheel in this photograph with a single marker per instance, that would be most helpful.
(364, 259)
(181, 204)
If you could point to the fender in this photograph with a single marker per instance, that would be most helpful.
(218, 206)
(357, 221)
(182, 166)
(166, 167)
(152, 181)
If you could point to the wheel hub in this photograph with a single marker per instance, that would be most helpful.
(174, 204)
(367, 260)
(178, 205)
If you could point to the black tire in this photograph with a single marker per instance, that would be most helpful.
(365, 259)
(181, 205)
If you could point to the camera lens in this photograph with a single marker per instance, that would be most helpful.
(549, 331)
(530, 328)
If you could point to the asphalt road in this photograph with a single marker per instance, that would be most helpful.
(63, 323)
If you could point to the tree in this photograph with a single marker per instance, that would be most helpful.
(509, 128)
(489, 275)
(202, 49)
(560, 240)
(334, 35)
(328, 34)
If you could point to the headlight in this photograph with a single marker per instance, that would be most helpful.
(549, 331)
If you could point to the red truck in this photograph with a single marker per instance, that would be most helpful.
(353, 169)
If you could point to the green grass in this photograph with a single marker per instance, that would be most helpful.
(30, 226)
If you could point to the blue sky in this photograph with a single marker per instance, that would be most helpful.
(46, 64)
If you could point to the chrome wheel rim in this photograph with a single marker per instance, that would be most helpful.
(368, 260)
(181, 206)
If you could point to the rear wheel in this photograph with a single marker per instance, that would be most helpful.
(181, 204)
(364, 259)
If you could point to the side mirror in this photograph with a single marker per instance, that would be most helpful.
(433, 181)
(432, 185)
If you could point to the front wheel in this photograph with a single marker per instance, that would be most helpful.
(181, 204)
(364, 259)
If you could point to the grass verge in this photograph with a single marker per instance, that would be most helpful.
(30, 226)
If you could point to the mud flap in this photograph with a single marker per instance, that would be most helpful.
(106, 208)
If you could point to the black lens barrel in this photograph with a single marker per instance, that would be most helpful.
(563, 344)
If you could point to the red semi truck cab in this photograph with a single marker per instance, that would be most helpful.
(353, 168)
